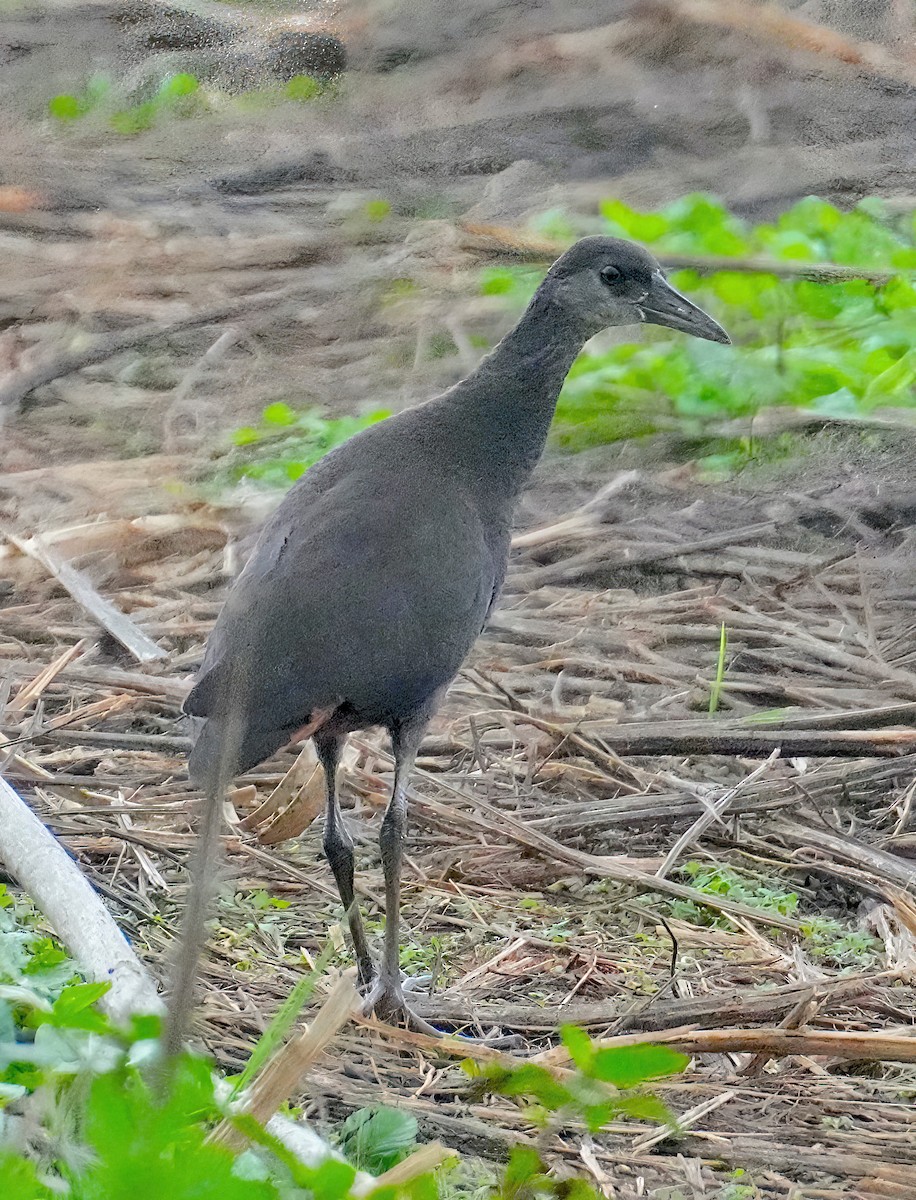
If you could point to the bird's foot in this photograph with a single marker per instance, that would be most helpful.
(387, 1000)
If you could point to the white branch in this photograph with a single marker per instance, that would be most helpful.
(47, 873)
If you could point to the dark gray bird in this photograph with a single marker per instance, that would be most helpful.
(369, 585)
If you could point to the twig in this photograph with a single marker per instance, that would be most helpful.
(875, 863)
(31, 691)
(599, 866)
(19, 384)
(683, 738)
(684, 1122)
(588, 561)
(713, 813)
(527, 247)
(734, 1007)
(115, 622)
(280, 1078)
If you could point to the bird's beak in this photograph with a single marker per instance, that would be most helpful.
(664, 305)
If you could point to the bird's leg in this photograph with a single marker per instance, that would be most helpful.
(387, 997)
(338, 849)
(389, 1001)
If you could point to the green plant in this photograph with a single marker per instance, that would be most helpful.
(181, 94)
(278, 450)
(177, 95)
(600, 1089)
(717, 880)
(375, 1139)
(715, 690)
(106, 1122)
(67, 107)
(839, 349)
(842, 946)
(303, 88)
(377, 210)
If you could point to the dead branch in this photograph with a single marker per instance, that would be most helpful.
(57, 886)
(115, 622)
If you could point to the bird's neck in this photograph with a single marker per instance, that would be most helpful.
(505, 407)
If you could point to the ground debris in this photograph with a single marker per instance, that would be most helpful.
(541, 824)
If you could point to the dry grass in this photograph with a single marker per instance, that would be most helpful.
(535, 892)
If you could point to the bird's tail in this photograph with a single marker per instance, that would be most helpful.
(212, 767)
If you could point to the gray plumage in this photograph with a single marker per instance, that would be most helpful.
(369, 585)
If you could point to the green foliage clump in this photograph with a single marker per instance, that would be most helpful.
(377, 1139)
(840, 349)
(303, 88)
(88, 1111)
(286, 442)
(177, 95)
(714, 879)
(838, 944)
(598, 1091)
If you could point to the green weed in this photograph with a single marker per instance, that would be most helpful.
(840, 945)
(838, 349)
(715, 690)
(286, 442)
(179, 95)
(600, 1090)
(376, 1139)
(100, 1127)
(715, 879)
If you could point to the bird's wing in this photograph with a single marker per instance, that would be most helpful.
(366, 588)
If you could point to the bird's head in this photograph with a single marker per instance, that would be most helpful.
(604, 281)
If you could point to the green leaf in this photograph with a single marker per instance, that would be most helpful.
(377, 210)
(891, 382)
(144, 1028)
(181, 84)
(644, 227)
(65, 108)
(375, 1139)
(424, 1187)
(645, 1108)
(579, 1045)
(529, 1080)
(279, 414)
(332, 1180)
(20, 1179)
(134, 120)
(44, 954)
(627, 1066)
(523, 1170)
(303, 87)
(246, 436)
(73, 1009)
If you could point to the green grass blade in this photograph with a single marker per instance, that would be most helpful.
(282, 1022)
(716, 690)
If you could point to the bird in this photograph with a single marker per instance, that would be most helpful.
(370, 583)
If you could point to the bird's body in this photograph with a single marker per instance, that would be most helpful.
(375, 597)
(369, 585)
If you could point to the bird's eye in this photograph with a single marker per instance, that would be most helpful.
(610, 274)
